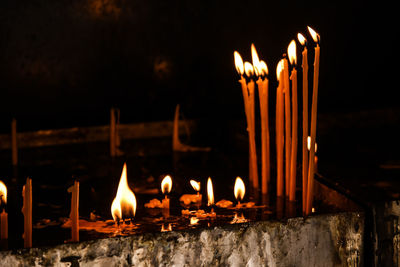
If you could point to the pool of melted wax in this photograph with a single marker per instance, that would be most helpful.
(158, 221)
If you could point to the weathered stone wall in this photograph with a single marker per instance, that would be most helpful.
(324, 240)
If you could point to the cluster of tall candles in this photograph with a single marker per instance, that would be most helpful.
(286, 120)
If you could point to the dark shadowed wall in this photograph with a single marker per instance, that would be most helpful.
(65, 63)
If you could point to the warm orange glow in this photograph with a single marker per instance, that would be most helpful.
(3, 193)
(124, 204)
(210, 192)
(239, 189)
(238, 63)
(163, 229)
(314, 34)
(166, 184)
(263, 68)
(248, 69)
(279, 69)
(292, 52)
(194, 220)
(195, 185)
(309, 144)
(301, 39)
(256, 60)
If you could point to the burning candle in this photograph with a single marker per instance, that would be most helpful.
(4, 214)
(239, 190)
(304, 66)
(248, 99)
(261, 71)
(196, 186)
(14, 142)
(249, 70)
(288, 131)
(313, 131)
(293, 153)
(27, 211)
(124, 203)
(74, 215)
(210, 196)
(166, 186)
(279, 130)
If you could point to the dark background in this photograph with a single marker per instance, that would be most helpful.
(65, 63)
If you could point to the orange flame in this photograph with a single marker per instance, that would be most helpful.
(301, 39)
(239, 189)
(248, 68)
(195, 185)
(309, 144)
(314, 34)
(210, 192)
(279, 69)
(256, 60)
(124, 203)
(238, 63)
(292, 52)
(263, 68)
(166, 184)
(3, 193)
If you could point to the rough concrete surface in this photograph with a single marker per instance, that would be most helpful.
(323, 240)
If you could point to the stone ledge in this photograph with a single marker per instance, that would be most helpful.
(322, 240)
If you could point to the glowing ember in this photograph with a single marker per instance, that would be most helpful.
(3, 193)
(163, 229)
(239, 189)
(301, 39)
(166, 184)
(238, 63)
(292, 52)
(314, 34)
(195, 185)
(124, 204)
(309, 144)
(210, 192)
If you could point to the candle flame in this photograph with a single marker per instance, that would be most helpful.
(195, 185)
(248, 69)
(3, 193)
(279, 69)
(301, 39)
(163, 229)
(210, 192)
(256, 60)
(166, 184)
(309, 144)
(263, 68)
(313, 34)
(124, 203)
(239, 189)
(194, 220)
(292, 52)
(238, 63)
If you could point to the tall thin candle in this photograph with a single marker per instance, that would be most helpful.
(304, 66)
(261, 70)
(313, 131)
(240, 69)
(293, 153)
(288, 131)
(279, 130)
(27, 211)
